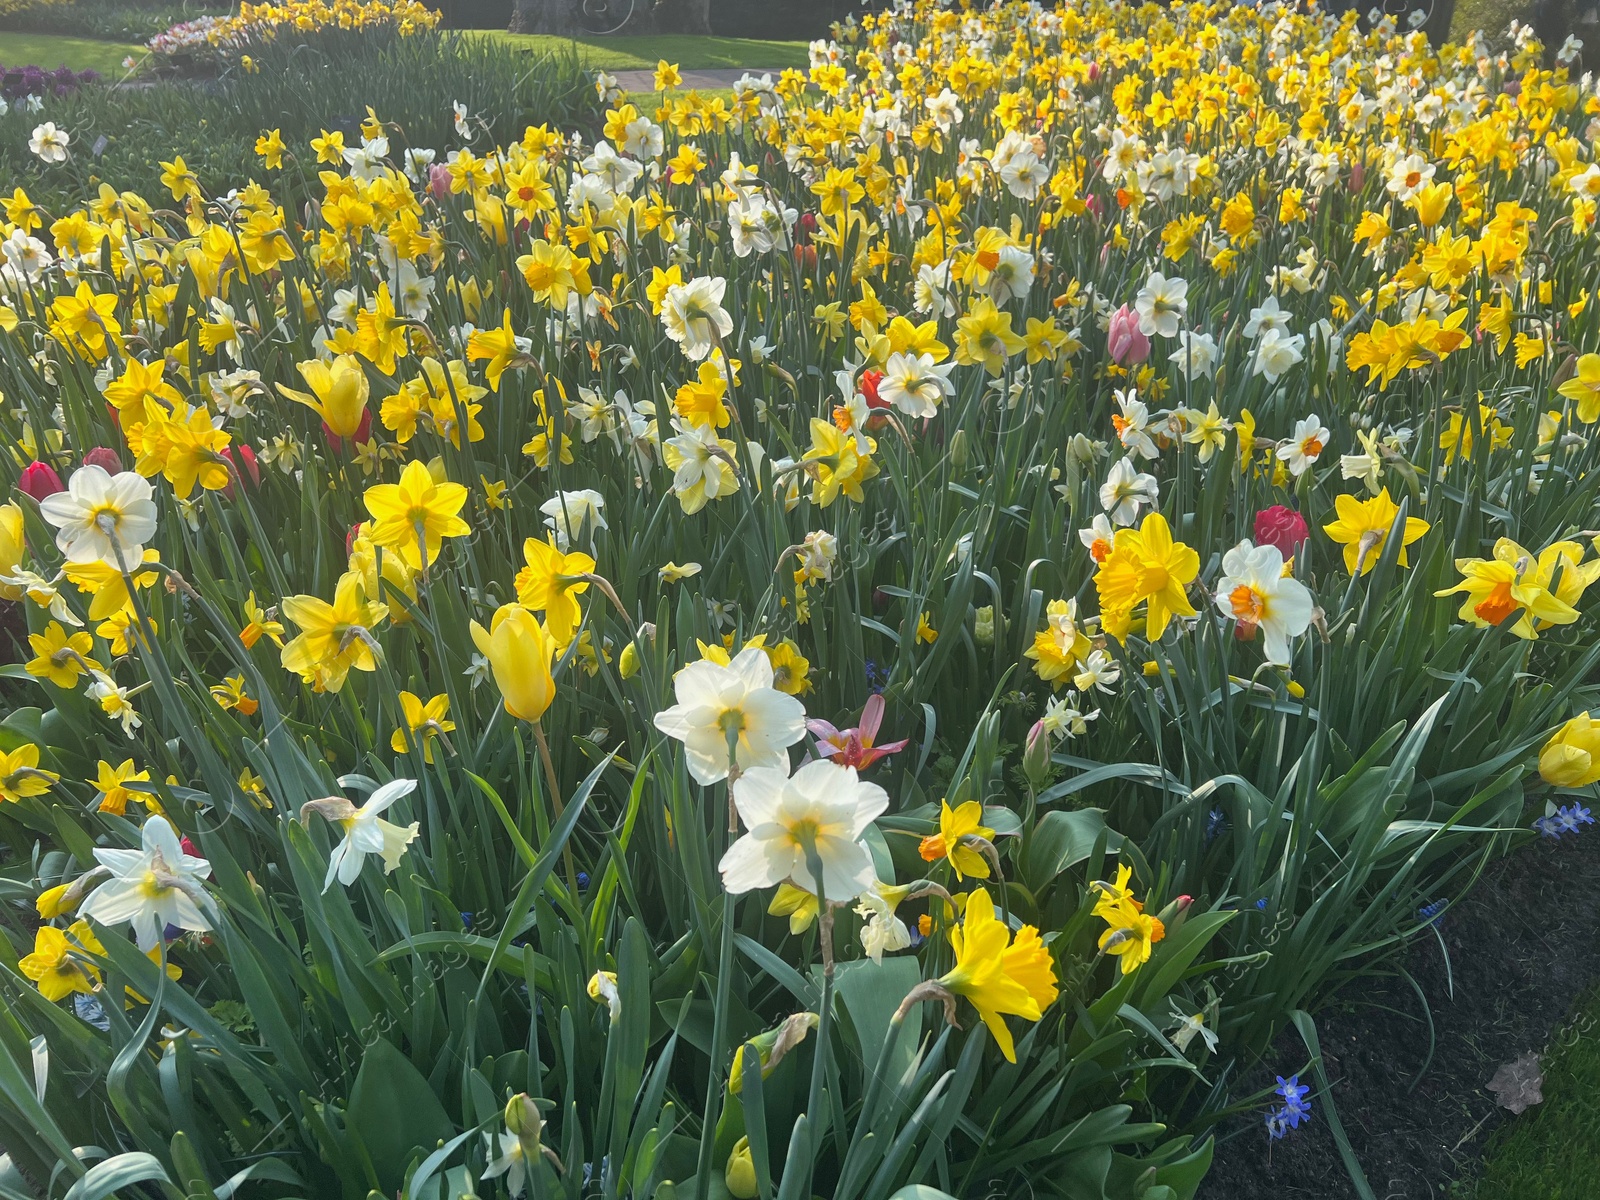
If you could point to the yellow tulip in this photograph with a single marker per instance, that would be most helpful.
(740, 1174)
(1571, 758)
(12, 548)
(340, 393)
(519, 652)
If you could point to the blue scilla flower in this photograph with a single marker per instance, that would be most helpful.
(583, 881)
(1215, 824)
(1296, 1105)
(1277, 1123)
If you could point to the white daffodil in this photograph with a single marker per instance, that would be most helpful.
(1276, 352)
(1309, 439)
(365, 831)
(152, 887)
(50, 143)
(1255, 592)
(882, 931)
(572, 515)
(693, 316)
(1187, 1026)
(736, 702)
(1161, 304)
(1132, 424)
(915, 384)
(1100, 671)
(1196, 354)
(818, 814)
(101, 515)
(1126, 490)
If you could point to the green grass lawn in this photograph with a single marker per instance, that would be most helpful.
(49, 50)
(1551, 1152)
(690, 53)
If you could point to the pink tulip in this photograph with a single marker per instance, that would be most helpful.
(439, 181)
(853, 747)
(105, 458)
(1128, 346)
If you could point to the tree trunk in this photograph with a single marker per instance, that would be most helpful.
(573, 18)
(683, 16)
(563, 17)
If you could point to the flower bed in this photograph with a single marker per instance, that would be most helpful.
(900, 630)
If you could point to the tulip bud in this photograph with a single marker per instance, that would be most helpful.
(439, 181)
(1175, 914)
(983, 625)
(39, 480)
(519, 653)
(959, 451)
(1571, 758)
(105, 458)
(1036, 755)
(1125, 341)
(245, 466)
(740, 1174)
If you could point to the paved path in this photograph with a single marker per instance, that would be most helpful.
(705, 80)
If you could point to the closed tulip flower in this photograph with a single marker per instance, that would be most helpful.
(339, 393)
(1571, 758)
(519, 653)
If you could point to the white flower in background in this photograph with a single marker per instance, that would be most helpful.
(1132, 424)
(749, 226)
(1570, 49)
(1062, 718)
(1196, 354)
(365, 831)
(152, 887)
(822, 810)
(366, 160)
(1125, 490)
(1024, 174)
(693, 316)
(700, 466)
(116, 702)
(818, 554)
(882, 931)
(1585, 183)
(571, 515)
(418, 159)
(944, 110)
(1309, 439)
(737, 701)
(28, 256)
(1012, 275)
(1268, 316)
(512, 1162)
(50, 143)
(1367, 466)
(643, 138)
(1161, 304)
(413, 291)
(459, 110)
(1097, 537)
(101, 515)
(1099, 672)
(1255, 592)
(1276, 353)
(931, 293)
(1187, 1026)
(1408, 176)
(618, 173)
(915, 384)
(1322, 169)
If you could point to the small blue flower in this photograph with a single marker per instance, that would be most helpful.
(1296, 1106)
(1277, 1123)
(1215, 824)
(466, 920)
(583, 881)
(1547, 827)
(1430, 911)
(1261, 904)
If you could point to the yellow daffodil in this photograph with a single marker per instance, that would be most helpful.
(519, 653)
(999, 976)
(958, 828)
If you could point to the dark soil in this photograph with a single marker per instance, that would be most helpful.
(1522, 947)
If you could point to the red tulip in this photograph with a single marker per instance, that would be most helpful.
(39, 480)
(105, 458)
(1282, 527)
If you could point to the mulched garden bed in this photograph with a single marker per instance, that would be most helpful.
(1522, 948)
